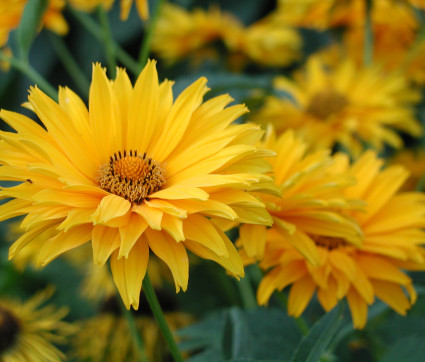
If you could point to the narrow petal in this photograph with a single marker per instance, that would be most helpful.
(111, 206)
(300, 295)
(253, 238)
(358, 308)
(130, 233)
(173, 254)
(105, 241)
(128, 273)
(63, 242)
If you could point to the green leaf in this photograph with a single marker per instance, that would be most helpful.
(315, 343)
(410, 348)
(237, 339)
(29, 25)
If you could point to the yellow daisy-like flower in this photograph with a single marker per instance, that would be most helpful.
(28, 330)
(90, 5)
(107, 337)
(11, 14)
(392, 224)
(266, 42)
(135, 171)
(324, 14)
(179, 32)
(344, 104)
(310, 201)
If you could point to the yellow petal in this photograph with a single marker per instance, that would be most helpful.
(105, 240)
(173, 254)
(111, 206)
(300, 294)
(392, 294)
(198, 228)
(63, 242)
(358, 308)
(128, 273)
(130, 233)
(253, 238)
(151, 215)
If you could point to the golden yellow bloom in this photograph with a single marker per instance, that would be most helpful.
(391, 223)
(90, 5)
(107, 337)
(310, 202)
(266, 42)
(28, 330)
(135, 171)
(324, 14)
(343, 104)
(179, 32)
(11, 13)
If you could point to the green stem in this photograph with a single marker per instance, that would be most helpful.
(70, 63)
(368, 36)
(159, 316)
(135, 335)
(299, 321)
(108, 41)
(25, 68)
(144, 50)
(247, 293)
(92, 27)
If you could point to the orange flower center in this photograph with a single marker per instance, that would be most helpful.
(132, 176)
(9, 329)
(328, 242)
(326, 103)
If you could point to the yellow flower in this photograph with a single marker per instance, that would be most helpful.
(90, 5)
(391, 223)
(135, 171)
(179, 32)
(310, 202)
(107, 337)
(266, 42)
(27, 330)
(11, 13)
(324, 14)
(343, 104)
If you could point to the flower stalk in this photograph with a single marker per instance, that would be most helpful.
(160, 318)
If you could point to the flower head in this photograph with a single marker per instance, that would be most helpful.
(11, 14)
(391, 224)
(342, 103)
(308, 208)
(136, 171)
(28, 330)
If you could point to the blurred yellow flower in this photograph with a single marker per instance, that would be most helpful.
(342, 103)
(310, 203)
(266, 42)
(179, 32)
(107, 337)
(28, 331)
(392, 224)
(90, 5)
(136, 171)
(11, 13)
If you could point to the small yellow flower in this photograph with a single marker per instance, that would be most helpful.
(107, 337)
(345, 104)
(11, 14)
(179, 32)
(28, 330)
(90, 5)
(136, 171)
(267, 42)
(392, 225)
